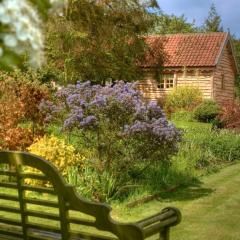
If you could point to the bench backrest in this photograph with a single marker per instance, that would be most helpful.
(39, 204)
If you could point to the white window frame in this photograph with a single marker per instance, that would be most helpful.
(167, 81)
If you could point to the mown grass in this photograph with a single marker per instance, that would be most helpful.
(210, 210)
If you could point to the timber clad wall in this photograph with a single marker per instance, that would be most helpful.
(224, 76)
(204, 83)
(149, 87)
(151, 91)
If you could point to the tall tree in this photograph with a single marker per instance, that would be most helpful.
(236, 44)
(213, 22)
(100, 40)
(167, 24)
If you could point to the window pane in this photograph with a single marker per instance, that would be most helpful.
(161, 85)
(169, 83)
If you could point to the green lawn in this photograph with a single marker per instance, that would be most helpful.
(210, 210)
(192, 125)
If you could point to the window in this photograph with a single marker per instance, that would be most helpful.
(166, 81)
(161, 82)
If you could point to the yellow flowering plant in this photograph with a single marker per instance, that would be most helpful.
(57, 151)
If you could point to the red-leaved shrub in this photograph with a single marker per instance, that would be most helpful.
(230, 115)
(19, 100)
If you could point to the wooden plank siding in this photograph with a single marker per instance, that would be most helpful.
(149, 87)
(204, 83)
(150, 90)
(224, 91)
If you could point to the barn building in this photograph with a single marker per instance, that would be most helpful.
(203, 60)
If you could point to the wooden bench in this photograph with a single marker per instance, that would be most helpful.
(37, 203)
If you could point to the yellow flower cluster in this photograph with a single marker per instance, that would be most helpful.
(57, 151)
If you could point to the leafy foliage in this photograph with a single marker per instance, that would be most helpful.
(207, 111)
(183, 98)
(206, 149)
(99, 40)
(168, 24)
(117, 127)
(19, 100)
(182, 115)
(213, 21)
(236, 45)
(230, 115)
(221, 145)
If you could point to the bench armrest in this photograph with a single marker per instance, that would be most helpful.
(161, 222)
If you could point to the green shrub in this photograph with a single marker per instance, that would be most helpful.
(207, 111)
(225, 145)
(229, 116)
(222, 145)
(183, 98)
(182, 115)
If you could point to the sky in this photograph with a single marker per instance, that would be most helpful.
(197, 10)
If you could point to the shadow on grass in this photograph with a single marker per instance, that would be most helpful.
(187, 193)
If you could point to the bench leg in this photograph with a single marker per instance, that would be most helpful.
(164, 234)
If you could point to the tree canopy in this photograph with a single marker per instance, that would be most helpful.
(168, 24)
(100, 40)
(213, 22)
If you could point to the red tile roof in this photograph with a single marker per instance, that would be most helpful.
(190, 50)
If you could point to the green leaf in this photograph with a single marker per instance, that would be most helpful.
(42, 6)
(10, 60)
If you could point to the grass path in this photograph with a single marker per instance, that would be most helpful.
(211, 210)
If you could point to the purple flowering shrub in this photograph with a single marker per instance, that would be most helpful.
(119, 129)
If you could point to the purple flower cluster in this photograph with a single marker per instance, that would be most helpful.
(85, 104)
(151, 121)
(119, 107)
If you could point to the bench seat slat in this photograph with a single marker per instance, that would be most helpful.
(36, 235)
(10, 233)
(34, 176)
(93, 236)
(42, 215)
(12, 185)
(38, 189)
(47, 228)
(80, 221)
(6, 237)
(9, 197)
(41, 202)
(10, 221)
(41, 235)
(7, 173)
(10, 209)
